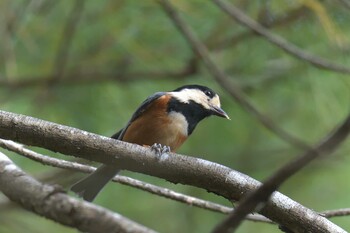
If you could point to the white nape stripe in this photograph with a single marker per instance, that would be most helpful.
(186, 95)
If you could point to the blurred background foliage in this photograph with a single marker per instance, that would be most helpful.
(89, 64)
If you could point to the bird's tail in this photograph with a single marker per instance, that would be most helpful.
(90, 186)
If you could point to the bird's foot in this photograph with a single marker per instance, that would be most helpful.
(159, 149)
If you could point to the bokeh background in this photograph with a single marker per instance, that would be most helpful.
(89, 64)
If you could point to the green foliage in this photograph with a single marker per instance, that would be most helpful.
(134, 38)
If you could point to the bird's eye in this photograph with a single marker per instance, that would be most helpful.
(208, 93)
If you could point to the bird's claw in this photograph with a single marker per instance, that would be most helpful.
(159, 149)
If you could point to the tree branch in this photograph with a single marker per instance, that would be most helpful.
(164, 192)
(50, 202)
(259, 196)
(287, 18)
(172, 167)
(336, 213)
(278, 41)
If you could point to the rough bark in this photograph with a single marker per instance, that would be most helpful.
(51, 202)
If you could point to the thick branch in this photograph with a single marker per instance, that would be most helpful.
(172, 167)
(164, 192)
(51, 202)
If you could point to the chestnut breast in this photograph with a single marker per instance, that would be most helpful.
(156, 125)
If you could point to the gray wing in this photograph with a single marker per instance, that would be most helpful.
(119, 135)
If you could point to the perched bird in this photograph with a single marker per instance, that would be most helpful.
(163, 121)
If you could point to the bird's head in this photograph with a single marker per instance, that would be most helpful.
(200, 97)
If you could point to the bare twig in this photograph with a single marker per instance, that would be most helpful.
(282, 20)
(202, 52)
(280, 42)
(13, 21)
(336, 213)
(164, 192)
(258, 197)
(172, 167)
(51, 202)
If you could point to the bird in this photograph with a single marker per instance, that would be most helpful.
(163, 122)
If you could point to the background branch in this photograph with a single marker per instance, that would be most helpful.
(66, 40)
(278, 41)
(95, 77)
(345, 3)
(283, 20)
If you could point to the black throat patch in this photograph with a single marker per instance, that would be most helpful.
(192, 111)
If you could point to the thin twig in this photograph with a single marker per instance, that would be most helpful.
(283, 20)
(226, 83)
(164, 192)
(336, 213)
(260, 196)
(278, 41)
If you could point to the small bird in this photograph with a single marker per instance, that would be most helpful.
(163, 121)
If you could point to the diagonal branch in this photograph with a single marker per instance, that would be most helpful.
(345, 3)
(258, 197)
(278, 41)
(50, 202)
(172, 167)
(283, 20)
(202, 52)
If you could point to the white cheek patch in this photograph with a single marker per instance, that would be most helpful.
(215, 101)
